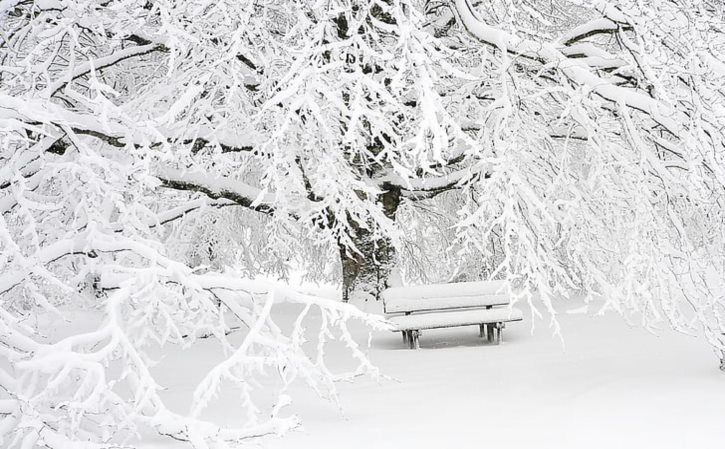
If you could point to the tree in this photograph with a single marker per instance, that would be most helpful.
(157, 154)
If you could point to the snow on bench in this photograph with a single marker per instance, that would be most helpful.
(412, 309)
(475, 288)
(444, 303)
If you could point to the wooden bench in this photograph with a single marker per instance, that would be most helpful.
(413, 309)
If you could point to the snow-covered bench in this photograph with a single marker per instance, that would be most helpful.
(412, 309)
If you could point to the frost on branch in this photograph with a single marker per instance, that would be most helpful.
(605, 158)
(72, 239)
(82, 228)
(97, 388)
(147, 146)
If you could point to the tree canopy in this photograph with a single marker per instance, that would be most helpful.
(158, 155)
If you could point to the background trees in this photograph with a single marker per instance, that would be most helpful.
(155, 153)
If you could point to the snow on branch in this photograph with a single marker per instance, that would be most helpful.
(576, 70)
(103, 62)
(74, 371)
(367, 134)
(599, 25)
(216, 188)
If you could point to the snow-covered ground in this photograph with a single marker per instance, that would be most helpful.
(610, 385)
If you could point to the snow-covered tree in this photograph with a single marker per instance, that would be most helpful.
(156, 154)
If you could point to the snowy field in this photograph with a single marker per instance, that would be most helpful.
(159, 158)
(610, 385)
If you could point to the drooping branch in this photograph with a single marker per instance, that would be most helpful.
(85, 354)
(217, 188)
(104, 62)
(594, 27)
(574, 69)
(178, 212)
(428, 187)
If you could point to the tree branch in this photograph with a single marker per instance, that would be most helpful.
(104, 62)
(575, 70)
(602, 25)
(221, 187)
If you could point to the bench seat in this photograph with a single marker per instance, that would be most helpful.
(456, 318)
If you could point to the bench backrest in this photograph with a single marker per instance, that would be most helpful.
(445, 296)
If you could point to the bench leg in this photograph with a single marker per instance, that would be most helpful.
(413, 339)
(489, 333)
(481, 330)
(405, 337)
(499, 327)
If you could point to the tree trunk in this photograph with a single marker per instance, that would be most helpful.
(367, 271)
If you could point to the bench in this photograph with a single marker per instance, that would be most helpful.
(413, 309)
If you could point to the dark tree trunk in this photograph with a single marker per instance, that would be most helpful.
(368, 270)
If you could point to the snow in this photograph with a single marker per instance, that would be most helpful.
(593, 26)
(574, 69)
(610, 385)
(440, 290)
(445, 296)
(450, 302)
(333, 141)
(216, 185)
(102, 62)
(594, 56)
(456, 318)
